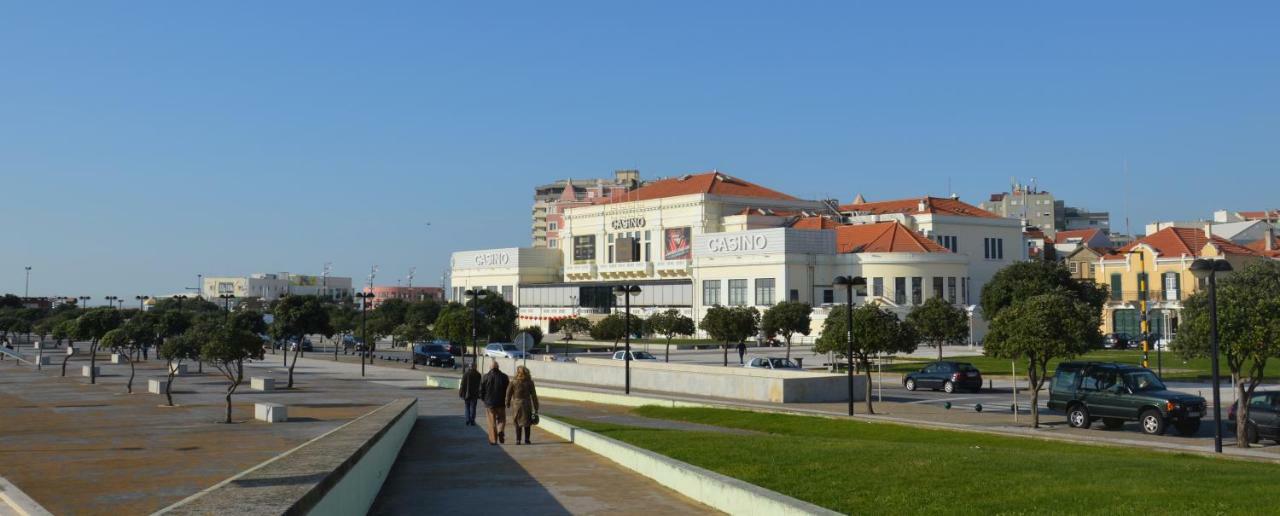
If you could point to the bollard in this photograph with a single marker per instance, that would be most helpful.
(947, 405)
(978, 407)
(1013, 408)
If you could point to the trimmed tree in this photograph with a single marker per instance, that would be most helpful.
(876, 331)
(1248, 331)
(117, 341)
(612, 327)
(1024, 280)
(454, 325)
(92, 326)
(227, 349)
(787, 319)
(176, 350)
(297, 317)
(730, 325)
(670, 324)
(576, 324)
(1040, 329)
(939, 322)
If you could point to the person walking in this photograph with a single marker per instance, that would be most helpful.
(522, 399)
(493, 390)
(742, 352)
(469, 391)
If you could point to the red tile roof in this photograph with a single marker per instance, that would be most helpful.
(815, 223)
(883, 237)
(769, 212)
(1036, 233)
(932, 205)
(713, 183)
(1174, 242)
(1267, 215)
(1085, 235)
(1260, 246)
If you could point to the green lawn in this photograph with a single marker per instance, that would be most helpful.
(1176, 368)
(876, 468)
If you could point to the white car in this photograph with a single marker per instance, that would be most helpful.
(772, 363)
(635, 355)
(501, 350)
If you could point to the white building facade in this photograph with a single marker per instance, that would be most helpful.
(270, 286)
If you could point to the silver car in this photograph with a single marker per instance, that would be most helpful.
(772, 363)
(503, 350)
(635, 355)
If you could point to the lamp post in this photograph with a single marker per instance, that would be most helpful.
(84, 301)
(26, 289)
(141, 299)
(626, 291)
(111, 300)
(226, 304)
(474, 296)
(573, 300)
(1206, 268)
(179, 298)
(848, 282)
(365, 297)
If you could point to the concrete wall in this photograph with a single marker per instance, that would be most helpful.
(732, 383)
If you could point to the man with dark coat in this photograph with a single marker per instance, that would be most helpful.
(469, 391)
(493, 391)
(742, 352)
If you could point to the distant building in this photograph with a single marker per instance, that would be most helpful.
(1240, 232)
(1080, 218)
(412, 294)
(551, 200)
(1039, 209)
(1083, 262)
(1067, 242)
(270, 286)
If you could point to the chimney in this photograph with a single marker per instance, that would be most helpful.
(1208, 230)
(1271, 239)
(922, 205)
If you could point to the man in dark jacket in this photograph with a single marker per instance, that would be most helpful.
(469, 391)
(742, 352)
(493, 391)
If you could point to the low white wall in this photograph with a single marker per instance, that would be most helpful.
(358, 488)
(732, 383)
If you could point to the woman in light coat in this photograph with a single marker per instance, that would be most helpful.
(522, 403)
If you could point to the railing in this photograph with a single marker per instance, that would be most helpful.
(1151, 296)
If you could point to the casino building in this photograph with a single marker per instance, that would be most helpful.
(709, 239)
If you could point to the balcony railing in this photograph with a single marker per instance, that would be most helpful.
(626, 269)
(1151, 296)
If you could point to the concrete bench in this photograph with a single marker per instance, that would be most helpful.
(157, 385)
(71, 350)
(43, 360)
(40, 345)
(117, 358)
(178, 369)
(262, 384)
(84, 371)
(270, 412)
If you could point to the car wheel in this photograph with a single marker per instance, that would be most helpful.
(911, 384)
(1188, 427)
(1152, 422)
(1112, 423)
(1251, 433)
(1078, 416)
(949, 387)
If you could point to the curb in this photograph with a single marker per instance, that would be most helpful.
(11, 496)
(718, 491)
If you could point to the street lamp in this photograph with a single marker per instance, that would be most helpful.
(26, 289)
(474, 295)
(365, 297)
(226, 304)
(111, 300)
(141, 299)
(180, 297)
(1205, 268)
(849, 282)
(84, 301)
(626, 291)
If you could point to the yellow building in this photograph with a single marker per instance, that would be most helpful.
(1162, 263)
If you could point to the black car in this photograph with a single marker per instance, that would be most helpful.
(432, 354)
(1264, 416)
(1115, 341)
(453, 349)
(948, 376)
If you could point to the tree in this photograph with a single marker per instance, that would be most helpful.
(1024, 280)
(343, 317)
(876, 331)
(497, 317)
(730, 325)
(939, 322)
(388, 317)
(1039, 329)
(535, 332)
(118, 341)
(92, 326)
(294, 318)
(787, 319)
(64, 329)
(612, 327)
(454, 324)
(669, 324)
(186, 346)
(228, 347)
(1248, 330)
(572, 325)
(411, 332)
(423, 312)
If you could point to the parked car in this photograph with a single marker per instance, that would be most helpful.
(432, 354)
(453, 349)
(1115, 341)
(772, 363)
(1115, 393)
(1264, 416)
(635, 355)
(948, 376)
(350, 342)
(503, 350)
(305, 343)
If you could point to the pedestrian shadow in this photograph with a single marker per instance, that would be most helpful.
(465, 474)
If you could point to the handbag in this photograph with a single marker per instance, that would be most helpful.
(534, 420)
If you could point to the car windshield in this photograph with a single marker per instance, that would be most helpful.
(510, 347)
(642, 355)
(433, 347)
(781, 363)
(1141, 381)
(968, 368)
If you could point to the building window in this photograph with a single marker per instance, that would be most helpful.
(964, 289)
(552, 226)
(937, 287)
(947, 241)
(917, 290)
(764, 291)
(951, 289)
(877, 287)
(552, 243)
(793, 295)
(1171, 286)
(900, 290)
(993, 248)
(1093, 268)
(1117, 283)
(828, 296)
(1074, 266)
(710, 292)
(738, 292)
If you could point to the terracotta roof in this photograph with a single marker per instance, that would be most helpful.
(1260, 246)
(815, 223)
(997, 197)
(714, 183)
(1174, 242)
(932, 205)
(1268, 215)
(768, 212)
(1036, 233)
(883, 237)
(1085, 235)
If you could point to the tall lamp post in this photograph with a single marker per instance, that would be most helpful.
(1206, 268)
(365, 298)
(111, 300)
(179, 299)
(141, 300)
(26, 289)
(849, 282)
(626, 291)
(84, 301)
(226, 304)
(474, 296)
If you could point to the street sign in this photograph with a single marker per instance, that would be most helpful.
(525, 342)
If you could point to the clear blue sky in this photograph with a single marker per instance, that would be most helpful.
(144, 142)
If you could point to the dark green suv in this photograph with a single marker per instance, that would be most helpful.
(1115, 393)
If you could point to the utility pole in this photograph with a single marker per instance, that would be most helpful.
(26, 290)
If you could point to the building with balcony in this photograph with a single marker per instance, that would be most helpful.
(550, 201)
(270, 286)
(381, 293)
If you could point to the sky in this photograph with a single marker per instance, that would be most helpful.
(145, 142)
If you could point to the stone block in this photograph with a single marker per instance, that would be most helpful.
(270, 412)
(117, 358)
(178, 369)
(40, 345)
(43, 360)
(157, 385)
(71, 350)
(262, 384)
(84, 371)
